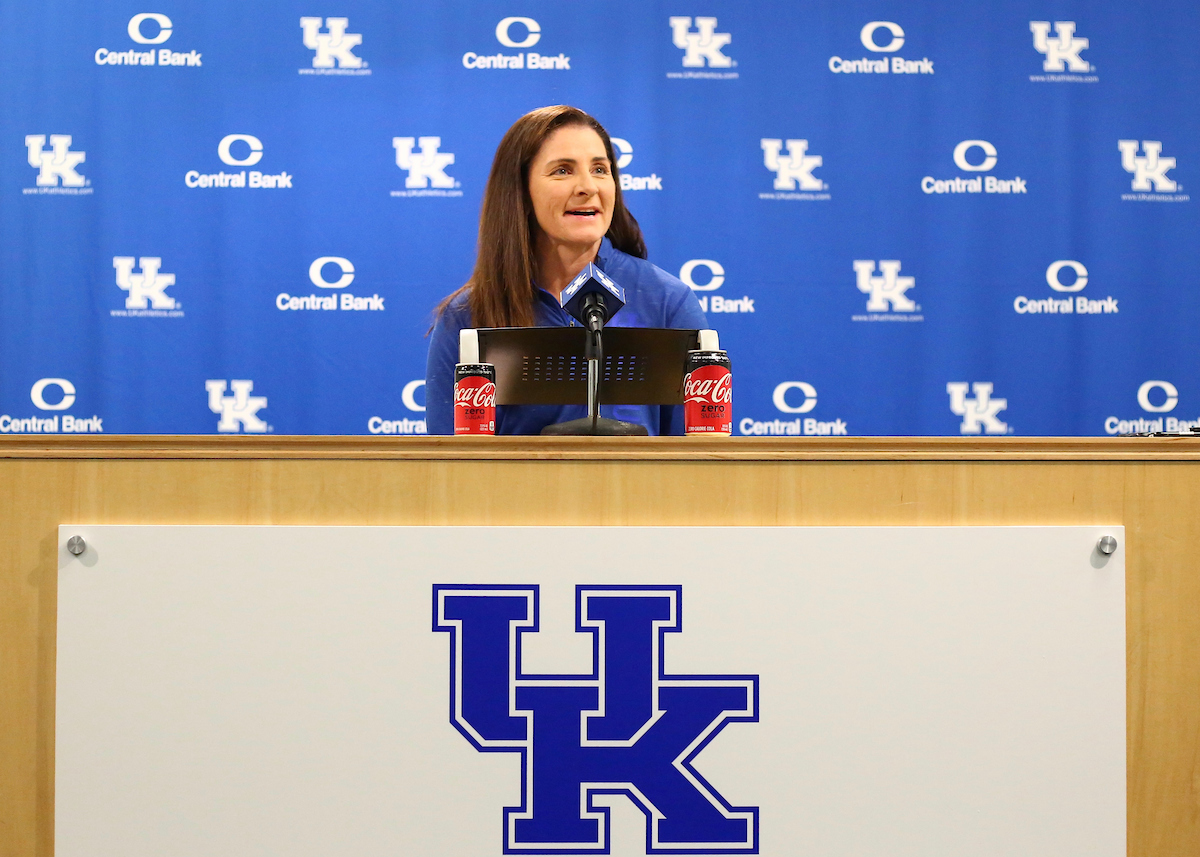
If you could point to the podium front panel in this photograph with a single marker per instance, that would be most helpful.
(492, 690)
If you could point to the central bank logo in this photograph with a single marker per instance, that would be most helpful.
(1154, 397)
(1165, 391)
(66, 391)
(794, 177)
(974, 156)
(239, 410)
(319, 273)
(162, 22)
(794, 397)
(316, 272)
(517, 32)
(426, 168)
(1066, 275)
(806, 393)
(504, 34)
(979, 413)
(1149, 171)
(629, 728)
(708, 275)
(51, 394)
(404, 425)
(239, 150)
(56, 166)
(149, 28)
(334, 48)
(886, 298)
(881, 37)
(624, 152)
(701, 47)
(1061, 52)
(145, 290)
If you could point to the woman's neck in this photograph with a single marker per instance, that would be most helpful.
(558, 264)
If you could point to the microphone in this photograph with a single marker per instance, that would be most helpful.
(592, 298)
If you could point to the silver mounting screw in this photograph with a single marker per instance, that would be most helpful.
(1107, 545)
(76, 545)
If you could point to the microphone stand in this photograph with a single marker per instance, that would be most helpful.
(593, 352)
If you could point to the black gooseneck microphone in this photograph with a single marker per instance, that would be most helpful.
(592, 299)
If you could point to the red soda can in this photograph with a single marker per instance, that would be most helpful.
(474, 398)
(708, 394)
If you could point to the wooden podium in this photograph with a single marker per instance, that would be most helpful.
(1151, 486)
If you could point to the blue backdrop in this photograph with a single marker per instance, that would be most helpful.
(902, 218)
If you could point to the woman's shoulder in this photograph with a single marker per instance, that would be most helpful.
(456, 313)
(642, 273)
(658, 298)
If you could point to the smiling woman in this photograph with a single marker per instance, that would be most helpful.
(553, 204)
(572, 191)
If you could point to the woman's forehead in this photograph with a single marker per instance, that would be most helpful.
(572, 142)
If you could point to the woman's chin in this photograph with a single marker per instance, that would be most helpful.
(581, 237)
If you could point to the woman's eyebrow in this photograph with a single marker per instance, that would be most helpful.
(558, 161)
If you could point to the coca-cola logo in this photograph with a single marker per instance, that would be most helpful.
(475, 395)
(700, 388)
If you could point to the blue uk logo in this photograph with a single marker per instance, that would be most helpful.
(628, 728)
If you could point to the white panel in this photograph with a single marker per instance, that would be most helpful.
(279, 690)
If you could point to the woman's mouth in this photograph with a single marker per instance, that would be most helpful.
(583, 212)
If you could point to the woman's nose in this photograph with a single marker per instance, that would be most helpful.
(587, 184)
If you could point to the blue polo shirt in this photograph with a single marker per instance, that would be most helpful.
(653, 299)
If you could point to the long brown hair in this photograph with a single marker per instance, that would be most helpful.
(500, 291)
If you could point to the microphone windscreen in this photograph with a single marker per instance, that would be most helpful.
(591, 280)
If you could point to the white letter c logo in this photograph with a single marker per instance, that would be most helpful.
(39, 388)
(135, 28)
(868, 37)
(624, 152)
(1081, 275)
(314, 272)
(535, 32)
(1143, 397)
(810, 397)
(718, 274)
(408, 396)
(960, 156)
(256, 149)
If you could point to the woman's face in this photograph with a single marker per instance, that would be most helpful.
(571, 187)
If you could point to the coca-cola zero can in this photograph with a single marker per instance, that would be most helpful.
(474, 398)
(708, 394)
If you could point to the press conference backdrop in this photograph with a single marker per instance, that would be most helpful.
(902, 218)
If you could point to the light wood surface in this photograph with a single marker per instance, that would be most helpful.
(1151, 486)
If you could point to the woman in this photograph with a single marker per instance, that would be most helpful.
(552, 205)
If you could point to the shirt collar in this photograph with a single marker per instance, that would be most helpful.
(604, 254)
